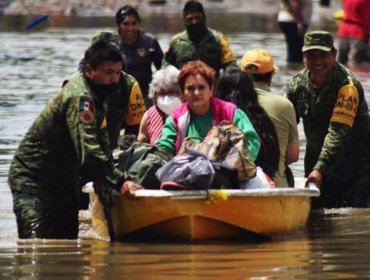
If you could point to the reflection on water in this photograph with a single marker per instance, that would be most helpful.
(33, 66)
(324, 255)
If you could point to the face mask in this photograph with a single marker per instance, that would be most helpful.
(197, 30)
(168, 103)
(101, 91)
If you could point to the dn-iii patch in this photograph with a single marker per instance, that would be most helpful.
(345, 108)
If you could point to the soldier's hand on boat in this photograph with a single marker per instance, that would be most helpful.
(128, 189)
(315, 178)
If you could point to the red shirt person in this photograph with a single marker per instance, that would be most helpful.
(353, 32)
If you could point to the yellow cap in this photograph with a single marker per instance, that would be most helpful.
(257, 61)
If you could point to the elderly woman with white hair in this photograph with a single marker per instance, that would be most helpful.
(166, 96)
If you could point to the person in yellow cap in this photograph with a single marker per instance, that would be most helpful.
(331, 102)
(260, 66)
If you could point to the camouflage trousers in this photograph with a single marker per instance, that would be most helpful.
(41, 217)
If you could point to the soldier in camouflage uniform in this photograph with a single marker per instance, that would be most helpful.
(126, 106)
(330, 101)
(198, 42)
(69, 134)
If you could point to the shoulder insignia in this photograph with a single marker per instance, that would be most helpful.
(86, 108)
(86, 105)
(345, 108)
(86, 117)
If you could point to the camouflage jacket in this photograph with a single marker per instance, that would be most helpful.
(68, 135)
(335, 120)
(214, 50)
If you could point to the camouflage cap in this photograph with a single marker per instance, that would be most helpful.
(109, 36)
(320, 40)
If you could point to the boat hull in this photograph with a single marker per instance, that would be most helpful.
(198, 215)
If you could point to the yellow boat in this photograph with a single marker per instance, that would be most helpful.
(200, 215)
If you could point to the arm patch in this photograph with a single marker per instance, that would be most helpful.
(136, 106)
(346, 106)
(226, 53)
(86, 109)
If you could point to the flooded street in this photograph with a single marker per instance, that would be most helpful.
(33, 65)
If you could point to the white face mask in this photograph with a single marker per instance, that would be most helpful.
(168, 103)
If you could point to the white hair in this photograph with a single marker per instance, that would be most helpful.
(164, 79)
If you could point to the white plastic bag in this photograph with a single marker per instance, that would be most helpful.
(261, 181)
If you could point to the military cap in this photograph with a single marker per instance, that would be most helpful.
(108, 36)
(320, 40)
